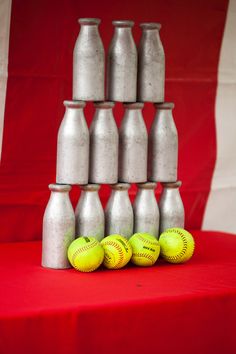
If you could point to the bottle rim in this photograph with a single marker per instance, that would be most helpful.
(165, 105)
(120, 186)
(150, 25)
(123, 23)
(134, 105)
(176, 184)
(89, 21)
(74, 104)
(90, 187)
(147, 185)
(59, 187)
(104, 104)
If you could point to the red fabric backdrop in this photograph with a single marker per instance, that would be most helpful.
(42, 38)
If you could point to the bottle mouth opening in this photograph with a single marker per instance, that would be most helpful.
(120, 186)
(147, 185)
(150, 25)
(164, 105)
(89, 21)
(176, 184)
(135, 105)
(121, 23)
(90, 187)
(105, 104)
(74, 104)
(57, 187)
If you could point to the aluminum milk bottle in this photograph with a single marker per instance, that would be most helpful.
(73, 146)
(133, 145)
(58, 228)
(118, 212)
(163, 146)
(104, 141)
(151, 64)
(89, 213)
(89, 62)
(122, 64)
(171, 207)
(146, 211)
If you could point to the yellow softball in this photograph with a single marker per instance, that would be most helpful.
(85, 254)
(145, 248)
(177, 245)
(117, 251)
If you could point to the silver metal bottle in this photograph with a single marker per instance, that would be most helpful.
(73, 146)
(151, 64)
(122, 64)
(133, 145)
(146, 211)
(89, 213)
(171, 207)
(89, 62)
(163, 146)
(104, 141)
(119, 212)
(58, 228)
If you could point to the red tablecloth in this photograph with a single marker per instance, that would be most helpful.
(189, 308)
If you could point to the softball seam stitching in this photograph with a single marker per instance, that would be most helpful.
(81, 250)
(185, 246)
(148, 256)
(154, 243)
(119, 249)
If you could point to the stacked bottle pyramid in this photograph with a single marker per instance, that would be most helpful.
(105, 155)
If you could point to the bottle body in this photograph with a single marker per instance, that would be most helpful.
(122, 64)
(104, 141)
(118, 212)
(73, 146)
(89, 213)
(163, 146)
(133, 145)
(151, 67)
(88, 63)
(58, 228)
(146, 211)
(171, 207)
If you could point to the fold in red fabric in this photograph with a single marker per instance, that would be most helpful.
(181, 309)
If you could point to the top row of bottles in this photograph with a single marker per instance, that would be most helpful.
(132, 75)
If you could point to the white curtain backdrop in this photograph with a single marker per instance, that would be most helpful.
(5, 16)
(220, 213)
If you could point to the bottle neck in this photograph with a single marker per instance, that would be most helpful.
(59, 196)
(89, 195)
(104, 114)
(151, 33)
(120, 194)
(123, 31)
(171, 193)
(74, 112)
(104, 121)
(89, 30)
(149, 193)
(145, 196)
(165, 114)
(133, 113)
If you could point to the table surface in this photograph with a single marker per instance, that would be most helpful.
(133, 309)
